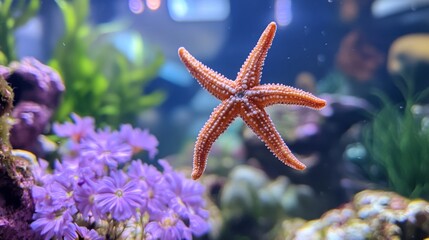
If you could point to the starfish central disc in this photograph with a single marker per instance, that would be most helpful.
(245, 97)
(240, 94)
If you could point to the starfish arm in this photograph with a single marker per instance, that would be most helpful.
(250, 73)
(269, 94)
(219, 120)
(218, 85)
(259, 121)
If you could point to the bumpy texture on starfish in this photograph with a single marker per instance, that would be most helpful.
(245, 97)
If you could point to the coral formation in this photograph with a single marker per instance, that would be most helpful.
(251, 204)
(372, 214)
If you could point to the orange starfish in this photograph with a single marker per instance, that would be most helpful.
(245, 97)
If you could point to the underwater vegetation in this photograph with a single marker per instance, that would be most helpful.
(398, 141)
(98, 190)
(13, 14)
(101, 80)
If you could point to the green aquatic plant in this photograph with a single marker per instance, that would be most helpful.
(13, 14)
(101, 80)
(398, 142)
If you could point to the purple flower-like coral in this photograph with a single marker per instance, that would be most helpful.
(97, 190)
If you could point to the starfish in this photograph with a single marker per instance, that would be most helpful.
(245, 97)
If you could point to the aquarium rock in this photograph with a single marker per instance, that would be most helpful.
(16, 203)
(35, 82)
(37, 89)
(30, 120)
(407, 51)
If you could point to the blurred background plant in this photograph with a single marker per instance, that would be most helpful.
(397, 140)
(13, 14)
(101, 79)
